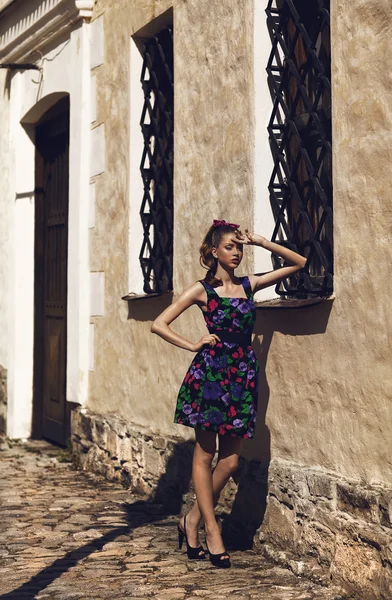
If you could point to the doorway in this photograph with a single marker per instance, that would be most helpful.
(51, 412)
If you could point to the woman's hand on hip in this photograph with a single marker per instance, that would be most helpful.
(209, 339)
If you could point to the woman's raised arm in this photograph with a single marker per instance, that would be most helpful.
(264, 280)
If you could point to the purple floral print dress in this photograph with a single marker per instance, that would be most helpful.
(219, 391)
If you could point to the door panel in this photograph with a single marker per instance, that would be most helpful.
(52, 142)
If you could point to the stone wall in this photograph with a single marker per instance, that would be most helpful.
(151, 465)
(317, 523)
(327, 527)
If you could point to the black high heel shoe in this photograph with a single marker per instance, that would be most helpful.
(217, 560)
(193, 553)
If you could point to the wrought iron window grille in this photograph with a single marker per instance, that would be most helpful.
(156, 167)
(300, 187)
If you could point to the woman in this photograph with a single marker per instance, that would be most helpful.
(218, 396)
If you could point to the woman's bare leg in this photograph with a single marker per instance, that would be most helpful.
(208, 485)
(203, 454)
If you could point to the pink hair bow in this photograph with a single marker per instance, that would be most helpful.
(222, 223)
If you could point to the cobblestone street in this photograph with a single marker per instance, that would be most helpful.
(67, 534)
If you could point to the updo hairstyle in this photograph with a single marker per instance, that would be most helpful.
(207, 260)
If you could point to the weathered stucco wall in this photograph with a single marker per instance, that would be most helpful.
(327, 388)
(325, 381)
(136, 374)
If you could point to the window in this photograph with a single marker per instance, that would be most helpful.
(299, 76)
(156, 166)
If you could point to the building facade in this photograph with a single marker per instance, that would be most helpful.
(126, 128)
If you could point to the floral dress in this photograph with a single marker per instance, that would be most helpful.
(219, 391)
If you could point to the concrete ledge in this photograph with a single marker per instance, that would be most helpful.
(286, 302)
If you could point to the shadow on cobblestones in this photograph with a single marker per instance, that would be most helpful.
(137, 514)
(67, 534)
(45, 577)
(166, 501)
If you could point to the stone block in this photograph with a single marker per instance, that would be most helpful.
(304, 508)
(323, 504)
(97, 42)
(334, 520)
(385, 508)
(300, 485)
(357, 501)
(86, 425)
(284, 496)
(317, 540)
(76, 428)
(358, 566)
(81, 424)
(287, 481)
(118, 425)
(386, 556)
(280, 476)
(126, 479)
(137, 443)
(159, 443)
(279, 524)
(153, 462)
(85, 444)
(100, 432)
(124, 449)
(310, 569)
(373, 536)
(321, 484)
(112, 444)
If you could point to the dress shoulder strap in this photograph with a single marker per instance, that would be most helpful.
(247, 286)
(209, 289)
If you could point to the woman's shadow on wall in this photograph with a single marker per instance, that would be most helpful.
(241, 523)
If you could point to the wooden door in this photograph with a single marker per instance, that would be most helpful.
(52, 170)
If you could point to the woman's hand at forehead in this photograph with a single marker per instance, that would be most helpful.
(249, 238)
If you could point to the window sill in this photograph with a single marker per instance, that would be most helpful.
(131, 296)
(273, 303)
(292, 302)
